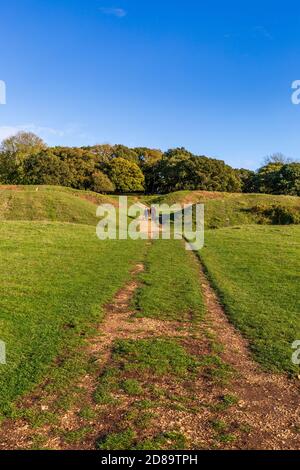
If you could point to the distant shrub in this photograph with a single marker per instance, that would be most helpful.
(277, 214)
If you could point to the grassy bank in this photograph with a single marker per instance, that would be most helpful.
(228, 209)
(256, 271)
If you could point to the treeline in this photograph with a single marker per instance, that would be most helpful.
(25, 159)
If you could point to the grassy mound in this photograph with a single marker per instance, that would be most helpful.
(50, 203)
(230, 209)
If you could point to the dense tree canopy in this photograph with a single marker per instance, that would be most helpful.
(14, 151)
(100, 183)
(26, 159)
(126, 176)
(275, 178)
(45, 168)
(181, 170)
(289, 179)
(22, 144)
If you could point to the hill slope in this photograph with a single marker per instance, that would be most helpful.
(228, 209)
(49, 203)
(54, 203)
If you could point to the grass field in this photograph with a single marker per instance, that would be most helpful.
(170, 288)
(256, 270)
(54, 280)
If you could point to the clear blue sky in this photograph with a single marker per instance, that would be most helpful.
(214, 77)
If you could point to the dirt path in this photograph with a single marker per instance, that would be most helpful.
(268, 403)
(120, 322)
(244, 409)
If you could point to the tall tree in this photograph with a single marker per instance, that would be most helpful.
(46, 168)
(13, 153)
(100, 183)
(126, 176)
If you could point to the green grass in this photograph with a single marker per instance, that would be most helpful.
(229, 209)
(132, 387)
(56, 277)
(76, 436)
(256, 271)
(54, 280)
(216, 369)
(123, 440)
(50, 203)
(158, 356)
(226, 401)
(109, 382)
(127, 440)
(171, 287)
(135, 369)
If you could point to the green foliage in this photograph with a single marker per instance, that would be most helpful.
(25, 159)
(277, 214)
(180, 170)
(247, 178)
(45, 168)
(103, 154)
(216, 369)
(81, 166)
(121, 151)
(87, 413)
(226, 438)
(148, 156)
(290, 179)
(219, 425)
(222, 432)
(13, 153)
(279, 178)
(126, 176)
(100, 183)
(226, 401)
